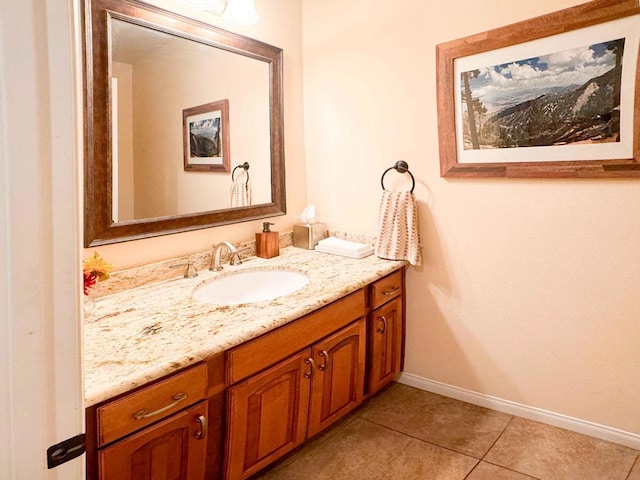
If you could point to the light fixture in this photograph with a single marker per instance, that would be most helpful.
(234, 12)
(241, 12)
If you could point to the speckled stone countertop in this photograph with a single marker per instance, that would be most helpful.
(141, 334)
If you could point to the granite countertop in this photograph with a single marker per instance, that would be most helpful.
(141, 334)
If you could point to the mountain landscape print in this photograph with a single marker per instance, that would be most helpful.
(204, 137)
(567, 97)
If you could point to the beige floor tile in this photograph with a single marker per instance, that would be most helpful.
(551, 453)
(443, 421)
(635, 471)
(310, 444)
(360, 450)
(422, 461)
(363, 450)
(487, 471)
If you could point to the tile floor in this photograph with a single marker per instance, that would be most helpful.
(405, 433)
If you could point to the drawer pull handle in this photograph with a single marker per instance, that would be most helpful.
(204, 427)
(391, 291)
(384, 325)
(325, 360)
(309, 361)
(142, 414)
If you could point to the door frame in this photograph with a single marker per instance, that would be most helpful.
(41, 402)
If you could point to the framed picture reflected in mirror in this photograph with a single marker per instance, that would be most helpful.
(206, 137)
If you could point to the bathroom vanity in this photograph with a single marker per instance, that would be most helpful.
(180, 388)
(209, 391)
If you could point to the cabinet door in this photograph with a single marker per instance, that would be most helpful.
(385, 344)
(174, 449)
(267, 416)
(337, 383)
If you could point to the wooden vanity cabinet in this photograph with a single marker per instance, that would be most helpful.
(252, 404)
(386, 331)
(276, 409)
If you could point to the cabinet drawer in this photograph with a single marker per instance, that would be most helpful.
(173, 448)
(272, 347)
(386, 288)
(134, 411)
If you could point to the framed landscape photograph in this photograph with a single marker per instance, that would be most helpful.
(554, 96)
(206, 137)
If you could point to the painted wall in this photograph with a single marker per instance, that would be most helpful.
(530, 289)
(280, 25)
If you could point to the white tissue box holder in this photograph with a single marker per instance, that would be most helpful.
(307, 235)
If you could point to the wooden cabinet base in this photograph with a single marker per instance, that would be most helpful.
(268, 415)
(276, 410)
(337, 384)
(385, 344)
(172, 449)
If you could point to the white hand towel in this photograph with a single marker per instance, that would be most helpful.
(344, 248)
(346, 245)
(240, 195)
(398, 229)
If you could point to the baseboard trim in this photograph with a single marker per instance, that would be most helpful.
(603, 432)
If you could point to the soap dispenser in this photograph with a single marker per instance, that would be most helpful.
(267, 242)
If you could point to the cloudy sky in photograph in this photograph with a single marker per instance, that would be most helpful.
(501, 86)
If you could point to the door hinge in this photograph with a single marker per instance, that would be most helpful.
(64, 451)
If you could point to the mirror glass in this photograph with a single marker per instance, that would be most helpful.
(183, 124)
(155, 78)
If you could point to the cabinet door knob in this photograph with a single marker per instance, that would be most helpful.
(142, 414)
(384, 324)
(325, 360)
(204, 427)
(309, 361)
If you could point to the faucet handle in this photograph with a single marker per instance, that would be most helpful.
(235, 259)
(190, 272)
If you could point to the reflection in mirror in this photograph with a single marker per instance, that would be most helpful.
(157, 76)
(173, 106)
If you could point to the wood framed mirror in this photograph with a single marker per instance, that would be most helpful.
(144, 68)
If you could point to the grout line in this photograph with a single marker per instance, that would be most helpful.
(499, 436)
(637, 462)
(511, 470)
(471, 471)
(479, 460)
(419, 439)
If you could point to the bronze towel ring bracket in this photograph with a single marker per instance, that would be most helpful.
(245, 167)
(401, 167)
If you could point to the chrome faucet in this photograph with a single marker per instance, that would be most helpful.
(217, 253)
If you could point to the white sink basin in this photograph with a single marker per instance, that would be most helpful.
(249, 286)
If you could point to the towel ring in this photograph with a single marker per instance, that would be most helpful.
(401, 167)
(245, 167)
